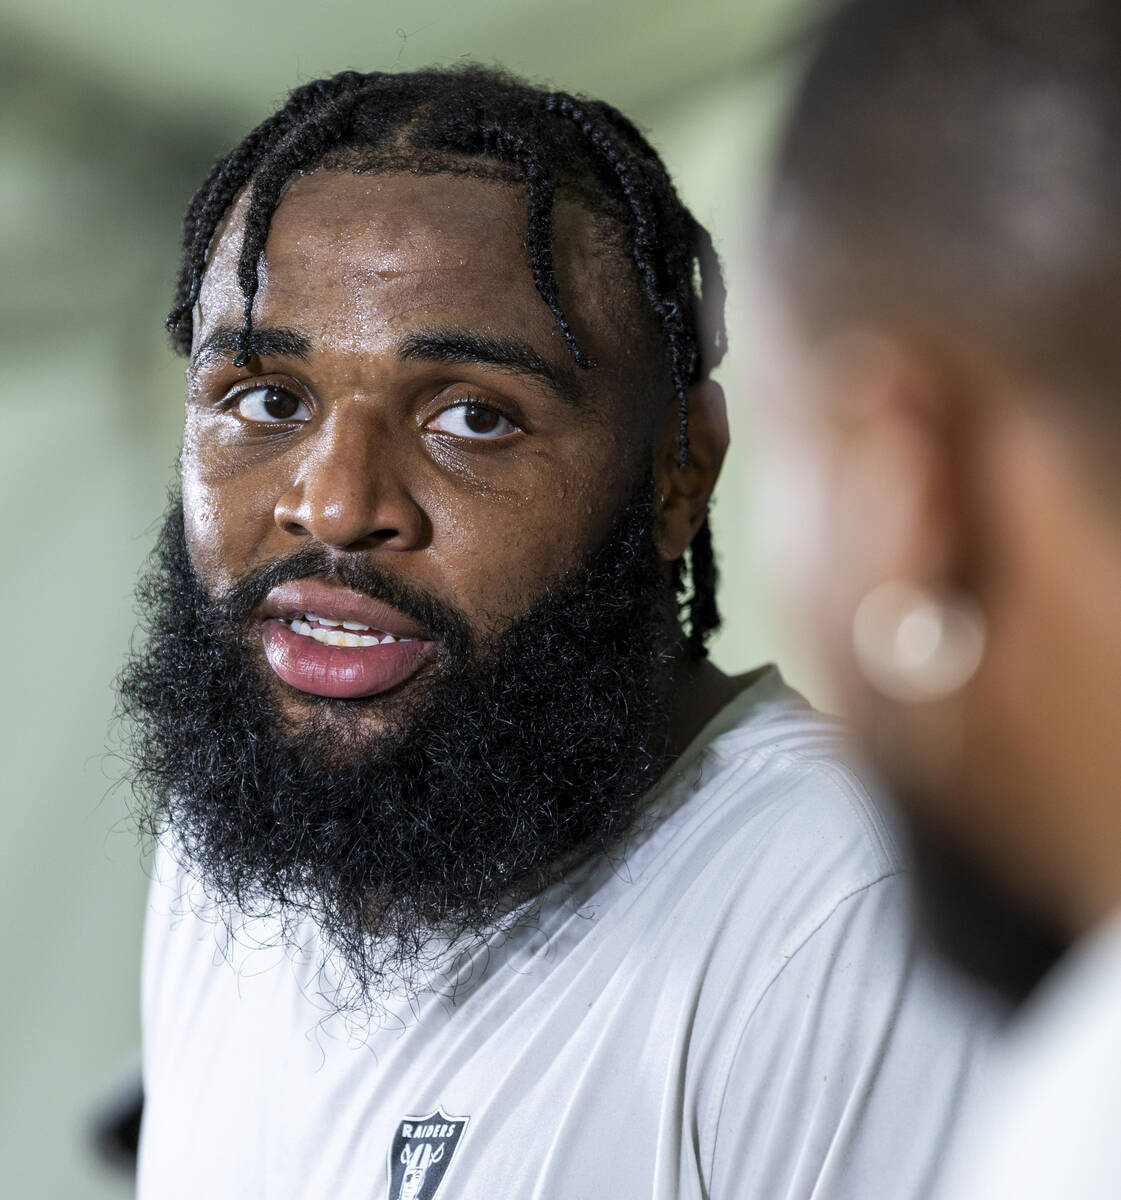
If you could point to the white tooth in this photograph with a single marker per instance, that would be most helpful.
(354, 625)
(335, 637)
(389, 639)
(311, 618)
(299, 626)
(367, 641)
(349, 639)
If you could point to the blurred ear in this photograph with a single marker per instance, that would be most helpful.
(683, 492)
(892, 407)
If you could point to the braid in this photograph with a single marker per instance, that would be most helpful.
(643, 181)
(226, 179)
(704, 616)
(434, 119)
(540, 194)
(302, 146)
(713, 299)
(540, 202)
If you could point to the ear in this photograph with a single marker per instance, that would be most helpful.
(876, 494)
(683, 492)
(892, 406)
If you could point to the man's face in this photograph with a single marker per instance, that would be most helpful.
(413, 405)
(411, 452)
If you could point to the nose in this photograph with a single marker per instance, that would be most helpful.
(349, 491)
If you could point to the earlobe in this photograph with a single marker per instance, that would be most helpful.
(683, 492)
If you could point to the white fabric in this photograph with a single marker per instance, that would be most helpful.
(737, 1011)
(1050, 1128)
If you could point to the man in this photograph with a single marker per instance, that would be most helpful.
(944, 257)
(475, 877)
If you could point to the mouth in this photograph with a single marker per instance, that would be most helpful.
(330, 641)
(346, 633)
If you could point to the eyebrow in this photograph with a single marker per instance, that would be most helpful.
(435, 346)
(267, 342)
(505, 353)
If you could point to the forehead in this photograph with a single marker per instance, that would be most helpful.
(356, 257)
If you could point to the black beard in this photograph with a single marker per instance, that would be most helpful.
(519, 752)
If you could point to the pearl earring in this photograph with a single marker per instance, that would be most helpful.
(914, 646)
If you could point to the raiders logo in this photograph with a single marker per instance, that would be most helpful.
(421, 1153)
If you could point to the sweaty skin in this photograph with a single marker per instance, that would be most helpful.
(412, 400)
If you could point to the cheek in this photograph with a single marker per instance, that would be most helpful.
(223, 518)
(494, 551)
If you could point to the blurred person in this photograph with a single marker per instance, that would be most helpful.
(942, 370)
(471, 867)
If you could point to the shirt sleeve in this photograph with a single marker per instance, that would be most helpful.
(851, 1073)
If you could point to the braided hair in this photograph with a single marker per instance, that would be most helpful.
(476, 120)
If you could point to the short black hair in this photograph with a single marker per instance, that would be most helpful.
(960, 160)
(472, 119)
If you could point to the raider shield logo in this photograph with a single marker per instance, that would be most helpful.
(421, 1153)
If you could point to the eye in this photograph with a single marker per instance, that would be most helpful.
(475, 421)
(271, 404)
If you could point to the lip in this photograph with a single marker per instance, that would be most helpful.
(340, 604)
(342, 672)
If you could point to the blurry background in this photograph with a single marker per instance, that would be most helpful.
(110, 115)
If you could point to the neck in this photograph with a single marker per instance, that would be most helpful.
(701, 690)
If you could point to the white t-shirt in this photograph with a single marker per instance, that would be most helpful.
(1050, 1127)
(736, 1011)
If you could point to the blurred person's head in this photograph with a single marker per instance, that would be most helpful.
(943, 272)
(421, 620)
